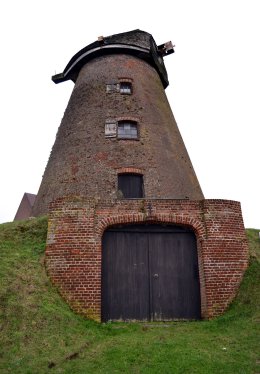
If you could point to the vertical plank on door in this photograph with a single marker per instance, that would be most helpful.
(125, 280)
(175, 291)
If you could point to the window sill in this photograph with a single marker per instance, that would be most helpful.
(134, 139)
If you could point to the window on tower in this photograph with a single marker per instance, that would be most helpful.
(122, 85)
(130, 186)
(127, 130)
(126, 88)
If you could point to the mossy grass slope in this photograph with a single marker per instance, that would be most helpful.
(40, 334)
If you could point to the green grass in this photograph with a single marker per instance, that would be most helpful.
(40, 334)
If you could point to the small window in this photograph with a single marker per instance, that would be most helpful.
(127, 130)
(126, 88)
(130, 186)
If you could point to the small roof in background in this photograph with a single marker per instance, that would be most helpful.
(25, 208)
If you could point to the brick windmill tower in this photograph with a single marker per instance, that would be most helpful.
(118, 121)
(129, 230)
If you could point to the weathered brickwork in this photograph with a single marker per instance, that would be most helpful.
(90, 152)
(74, 245)
(84, 162)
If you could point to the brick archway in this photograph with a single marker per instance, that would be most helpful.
(150, 272)
(177, 219)
(76, 226)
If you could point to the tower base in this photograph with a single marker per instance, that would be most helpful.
(75, 254)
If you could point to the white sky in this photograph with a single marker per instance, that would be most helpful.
(214, 87)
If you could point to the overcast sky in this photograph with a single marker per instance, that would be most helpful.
(214, 87)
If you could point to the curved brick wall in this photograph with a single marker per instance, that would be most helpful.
(84, 162)
(76, 226)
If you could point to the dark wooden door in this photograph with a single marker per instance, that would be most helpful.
(131, 185)
(174, 280)
(124, 276)
(150, 272)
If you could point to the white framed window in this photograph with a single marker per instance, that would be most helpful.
(127, 130)
(126, 88)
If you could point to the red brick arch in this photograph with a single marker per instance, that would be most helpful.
(178, 219)
(132, 170)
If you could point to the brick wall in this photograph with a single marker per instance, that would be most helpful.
(76, 226)
(85, 162)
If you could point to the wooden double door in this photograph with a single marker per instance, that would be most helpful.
(150, 273)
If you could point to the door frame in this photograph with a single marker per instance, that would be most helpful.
(159, 227)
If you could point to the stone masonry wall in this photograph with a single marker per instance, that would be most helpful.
(74, 249)
(85, 162)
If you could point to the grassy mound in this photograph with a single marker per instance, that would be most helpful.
(40, 334)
